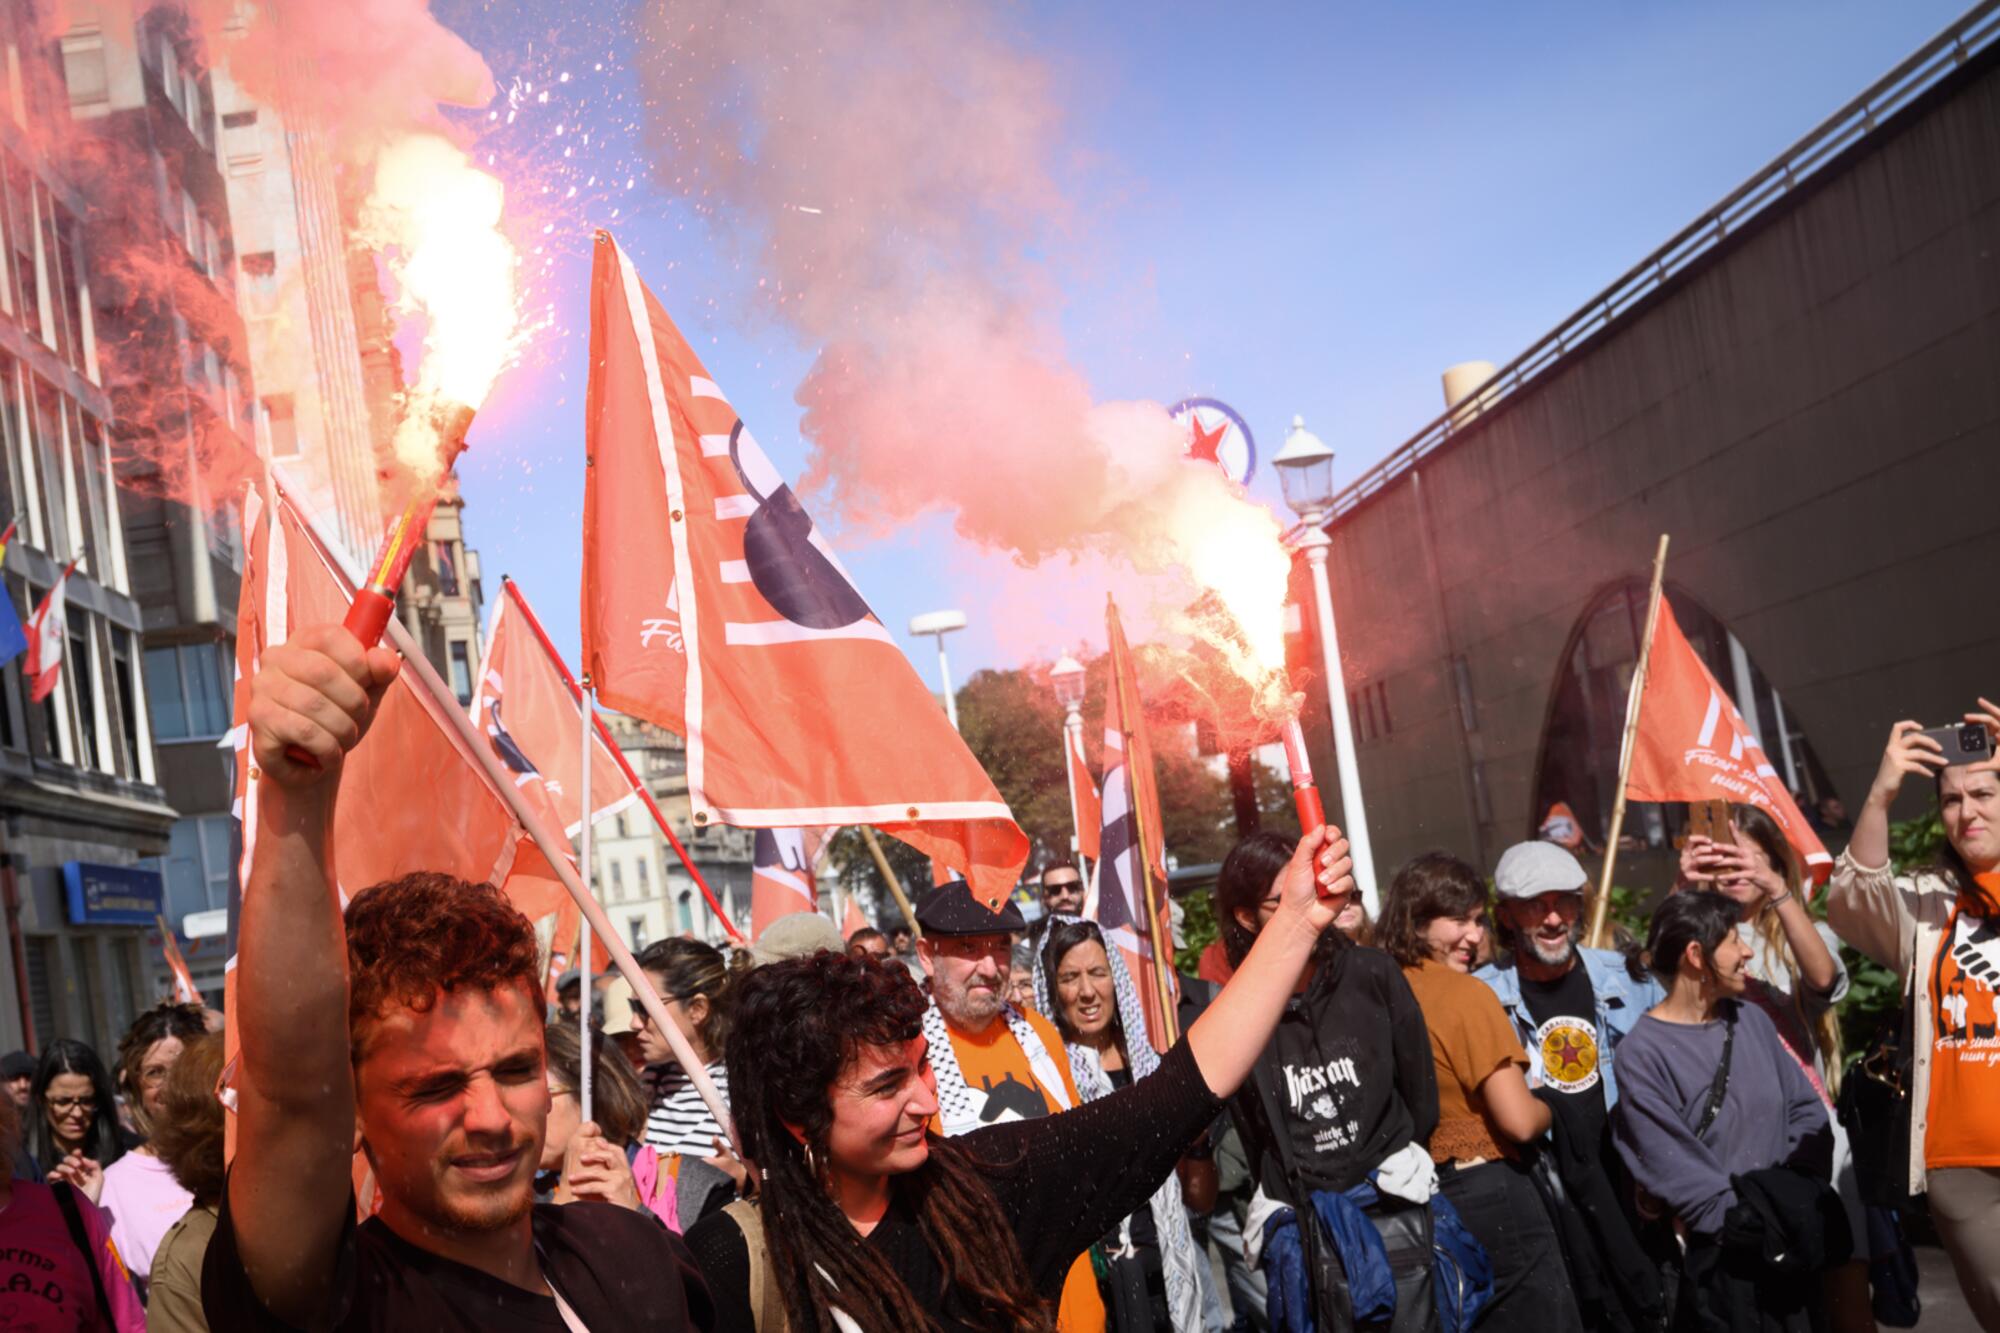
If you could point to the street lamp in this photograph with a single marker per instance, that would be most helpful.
(1305, 471)
(1067, 678)
(938, 624)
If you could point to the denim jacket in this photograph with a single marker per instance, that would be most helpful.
(1620, 1002)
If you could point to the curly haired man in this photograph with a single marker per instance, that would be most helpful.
(413, 1031)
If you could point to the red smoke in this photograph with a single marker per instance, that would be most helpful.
(890, 161)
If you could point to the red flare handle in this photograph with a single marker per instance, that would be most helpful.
(1305, 793)
(367, 616)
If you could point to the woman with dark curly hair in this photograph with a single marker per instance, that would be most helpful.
(868, 1220)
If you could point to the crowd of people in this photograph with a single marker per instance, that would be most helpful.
(1458, 1115)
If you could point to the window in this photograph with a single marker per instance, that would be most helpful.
(238, 120)
(645, 872)
(83, 71)
(461, 670)
(618, 822)
(279, 416)
(1368, 708)
(127, 702)
(84, 451)
(45, 433)
(76, 665)
(635, 927)
(447, 569)
(184, 692)
(11, 488)
(200, 865)
(21, 236)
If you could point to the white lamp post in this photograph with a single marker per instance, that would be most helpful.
(1305, 470)
(1067, 678)
(938, 624)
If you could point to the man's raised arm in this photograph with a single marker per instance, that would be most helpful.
(289, 1187)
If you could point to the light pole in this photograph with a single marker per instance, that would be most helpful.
(1305, 470)
(938, 624)
(1067, 678)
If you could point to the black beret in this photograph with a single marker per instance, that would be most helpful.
(950, 909)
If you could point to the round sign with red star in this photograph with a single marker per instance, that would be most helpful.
(1217, 433)
(1568, 1047)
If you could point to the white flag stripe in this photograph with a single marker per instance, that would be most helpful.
(715, 446)
(704, 388)
(764, 633)
(735, 506)
(736, 571)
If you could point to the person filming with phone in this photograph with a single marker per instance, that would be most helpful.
(1938, 928)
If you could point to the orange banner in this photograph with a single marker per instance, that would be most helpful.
(712, 605)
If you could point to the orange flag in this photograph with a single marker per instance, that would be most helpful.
(535, 726)
(1089, 805)
(185, 991)
(1134, 855)
(1692, 745)
(713, 606)
(411, 797)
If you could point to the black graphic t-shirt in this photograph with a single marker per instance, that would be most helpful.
(1565, 1043)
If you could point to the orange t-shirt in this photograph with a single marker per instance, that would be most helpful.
(1965, 1051)
(994, 1062)
(1470, 1039)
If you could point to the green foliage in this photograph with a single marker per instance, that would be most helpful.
(1199, 927)
(1874, 993)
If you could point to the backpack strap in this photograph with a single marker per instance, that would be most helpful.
(767, 1303)
(73, 1219)
(1720, 1087)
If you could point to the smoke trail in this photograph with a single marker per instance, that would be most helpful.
(890, 162)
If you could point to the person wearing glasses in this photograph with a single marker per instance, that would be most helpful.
(693, 979)
(74, 1131)
(140, 1192)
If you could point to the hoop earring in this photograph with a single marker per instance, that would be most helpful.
(812, 1163)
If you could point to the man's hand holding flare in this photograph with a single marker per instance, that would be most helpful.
(316, 693)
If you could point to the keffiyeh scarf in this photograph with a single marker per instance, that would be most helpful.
(960, 1106)
(1179, 1258)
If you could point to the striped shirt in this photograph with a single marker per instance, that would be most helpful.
(680, 1121)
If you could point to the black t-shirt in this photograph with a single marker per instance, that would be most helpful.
(1062, 1181)
(617, 1268)
(1569, 1045)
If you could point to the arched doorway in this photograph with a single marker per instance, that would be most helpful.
(1577, 763)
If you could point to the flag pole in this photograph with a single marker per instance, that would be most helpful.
(889, 878)
(1600, 909)
(1163, 994)
(583, 863)
(625, 765)
(554, 849)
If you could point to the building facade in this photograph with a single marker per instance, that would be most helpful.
(1798, 389)
(645, 889)
(81, 805)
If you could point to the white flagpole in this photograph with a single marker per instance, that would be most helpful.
(583, 1081)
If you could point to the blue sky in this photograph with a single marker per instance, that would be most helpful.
(1297, 208)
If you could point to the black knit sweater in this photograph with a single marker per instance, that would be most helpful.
(1062, 1182)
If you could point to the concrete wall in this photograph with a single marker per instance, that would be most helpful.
(1813, 411)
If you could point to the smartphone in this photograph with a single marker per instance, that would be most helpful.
(1962, 743)
(1710, 819)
